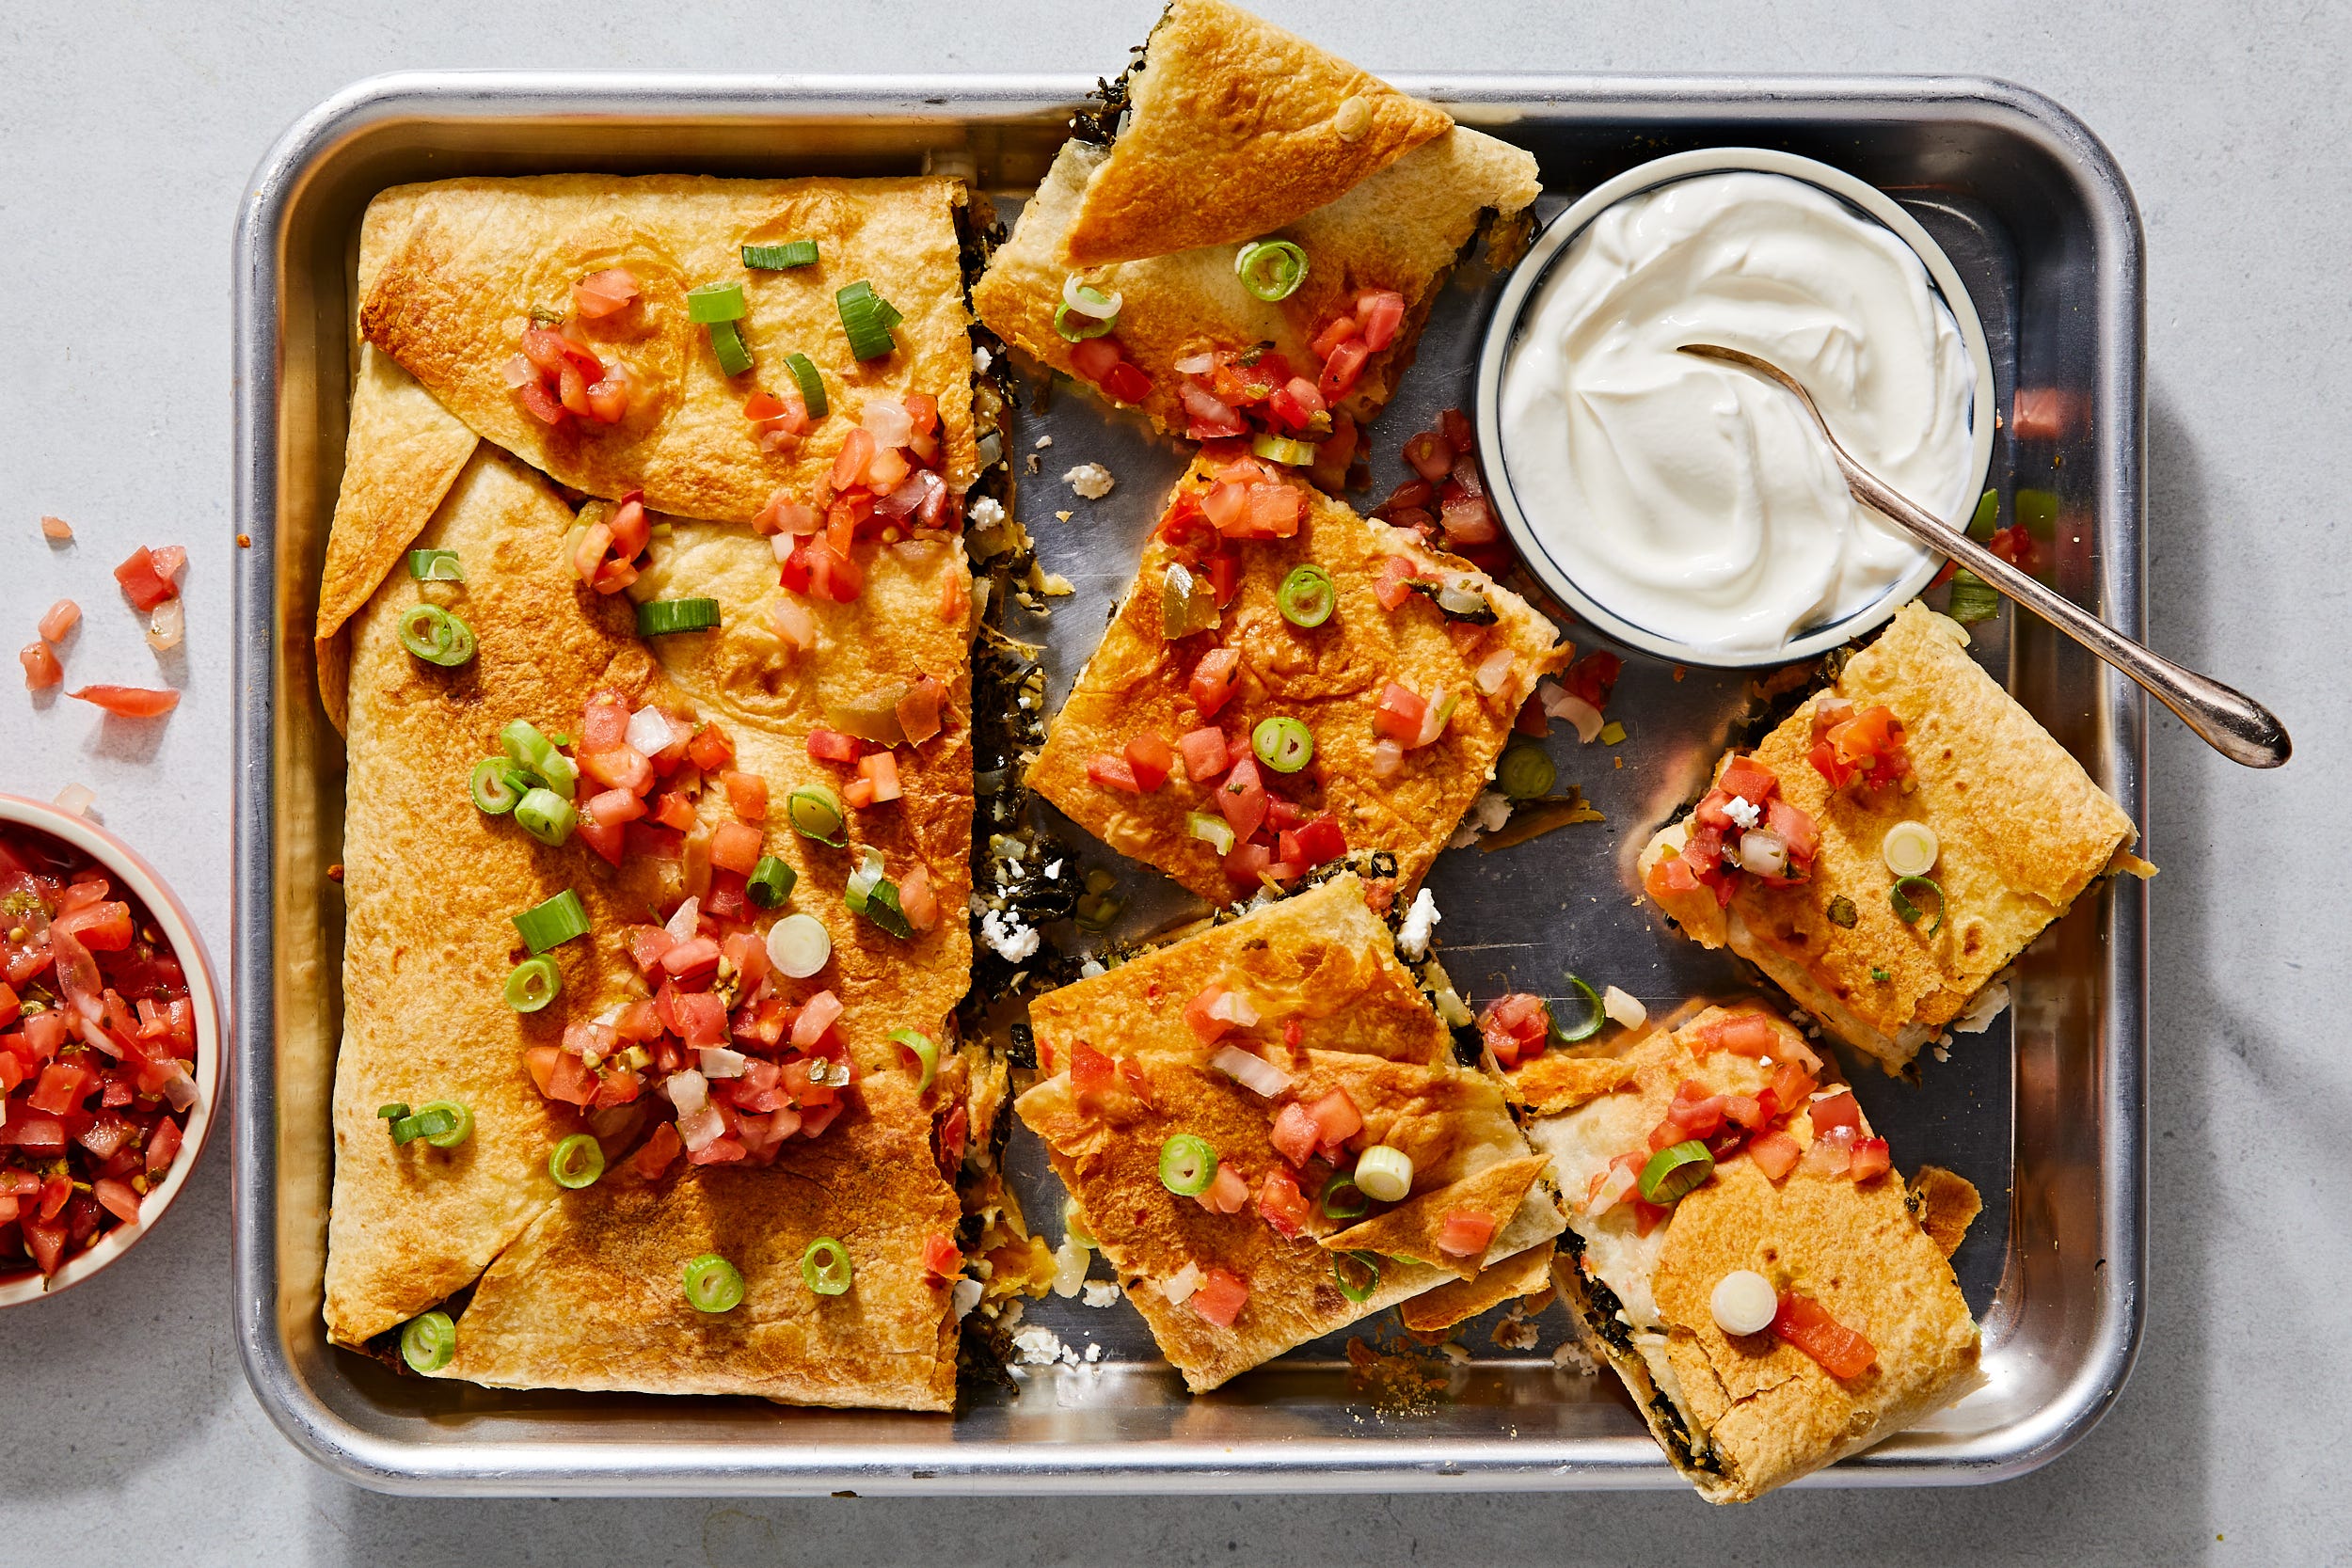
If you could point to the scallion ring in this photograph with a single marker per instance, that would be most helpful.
(436, 636)
(661, 617)
(812, 385)
(497, 785)
(445, 1124)
(536, 756)
(1909, 913)
(1282, 743)
(1306, 596)
(866, 319)
(771, 883)
(1187, 1166)
(394, 1112)
(1973, 599)
(799, 945)
(1369, 1262)
(1210, 829)
(1674, 1171)
(576, 1162)
(1076, 328)
(435, 566)
(781, 257)
(825, 1267)
(883, 908)
(1526, 772)
(1271, 269)
(925, 1052)
(429, 1342)
(546, 816)
(710, 303)
(1384, 1173)
(728, 346)
(713, 1284)
(1086, 300)
(815, 811)
(1073, 1224)
(1343, 1199)
(1594, 1016)
(858, 890)
(533, 984)
(554, 923)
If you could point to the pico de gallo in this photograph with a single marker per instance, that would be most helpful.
(1858, 747)
(1743, 829)
(556, 377)
(886, 484)
(97, 1055)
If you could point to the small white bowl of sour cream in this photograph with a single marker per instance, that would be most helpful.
(1685, 507)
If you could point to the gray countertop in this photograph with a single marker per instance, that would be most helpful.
(126, 1430)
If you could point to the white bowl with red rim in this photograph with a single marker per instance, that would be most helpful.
(129, 871)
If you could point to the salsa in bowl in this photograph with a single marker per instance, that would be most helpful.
(109, 1049)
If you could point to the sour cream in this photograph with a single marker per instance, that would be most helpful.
(1693, 499)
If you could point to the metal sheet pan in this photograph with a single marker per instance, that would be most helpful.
(2046, 1112)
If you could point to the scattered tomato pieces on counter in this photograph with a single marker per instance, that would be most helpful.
(56, 529)
(128, 702)
(146, 576)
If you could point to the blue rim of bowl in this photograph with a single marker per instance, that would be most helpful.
(1502, 336)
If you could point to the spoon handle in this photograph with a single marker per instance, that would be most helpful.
(2232, 722)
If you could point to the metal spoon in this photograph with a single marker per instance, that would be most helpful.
(2232, 722)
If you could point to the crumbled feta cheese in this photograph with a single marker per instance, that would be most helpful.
(1490, 811)
(1989, 1005)
(1053, 869)
(1414, 935)
(1090, 479)
(987, 512)
(1099, 1292)
(1036, 1346)
(1574, 1357)
(1004, 931)
(1514, 1334)
(980, 361)
(1044, 441)
(1738, 809)
(1456, 1354)
(1624, 1007)
(1094, 1352)
(965, 1297)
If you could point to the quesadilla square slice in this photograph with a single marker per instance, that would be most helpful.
(1253, 269)
(610, 331)
(1381, 696)
(1208, 1134)
(1912, 734)
(1787, 1310)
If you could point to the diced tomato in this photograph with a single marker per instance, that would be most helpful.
(880, 771)
(1111, 772)
(747, 795)
(163, 1146)
(1228, 1194)
(62, 1088)
(1242, 797)
(1835, 1111)
(61, 618)
(1466, 1232)
(1870, 1157)
(1749, 780)
(128, 702)
(1094, 358)
(142, 582)
(735, 847)
(1150, 757)
(916, 901)
(1246, 863)
(1090, 1069)
(2038, 414)
(119, 1198)
(1198, 1013)
(710, 749)
(1514, 1027)
(1775, 1154)
(1281, 1205)
(1319, 840)
(702, 1018)
(569, 1079)
(1341, 368)
(1219, 1297)
(1336, 331)
(1742, 1034)
(1214, 680)
(690, 956)
(1790, 1084)
(1126, 383)
(1796, 827)
(1807, 1323)
(1397, 573)
(1400, 714)
(1336, 1118)
(1275, 512)
(45, 1240)
(1379, 315)
(858, 792)
(1296, 1134)
(941, 1256)
(101, 927)
(658, 1152)
(833, 745)
(34, 1132)
(1204, 750)
(41, 669)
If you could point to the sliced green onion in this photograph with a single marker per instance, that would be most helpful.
(576, 1162)
(660, 617)
(536, 756)
(1909, 913)
(435, 566)
(1282, 743)
(1385, 1174)
(1527, 772)
(1910, 848)
(436, 636)
(1187, 1166)
(406, 1130)
(1842, 912)
(1094, 912)
(2037, 511)
(815, 811)
(1672, 1172)
(1973, 599)
(535, 983)
(812, 385)
(446, 1123)
(1369, 1262)
(394, 1112)
(1880, 975)
(1988, 512)
(497, 785)
(726, 343)
(866, 319)
(858, 891)
(1306, 596)
(825, 1267)
(554, 923)
(1285, 450)
(780, 258)
(771, 883)
(1212, 830)
(713, 1284)
(799, 945)
(546, 816)
(1593, 1019)
(1087, 300)
(710, 303)
(1343, 1199)
(1076, 326)
(925, 1052)
(1611, 733)
(1271, 269)
(429, 1342)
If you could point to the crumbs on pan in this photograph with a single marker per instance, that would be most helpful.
(1090, 479)
(1394, 1382)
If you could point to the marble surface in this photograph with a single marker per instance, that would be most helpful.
(125, 139)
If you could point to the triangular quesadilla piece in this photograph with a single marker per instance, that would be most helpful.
(482, 259)
(1524, 1273)
(1234, 129)
(1412, 1228)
